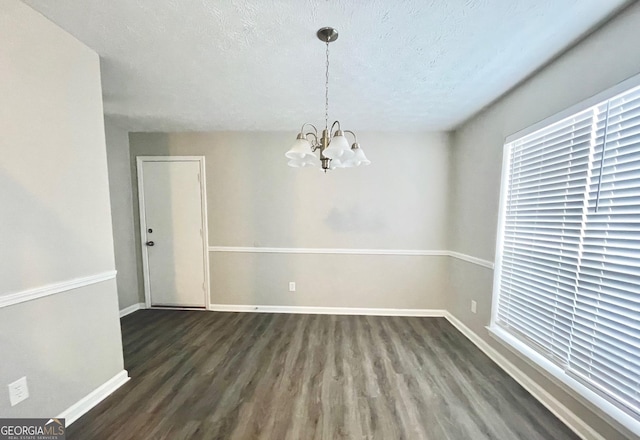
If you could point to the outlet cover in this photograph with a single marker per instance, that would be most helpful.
(18, 391)
(474, 306)
(292, 286)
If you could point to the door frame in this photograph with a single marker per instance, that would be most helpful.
(140, 160)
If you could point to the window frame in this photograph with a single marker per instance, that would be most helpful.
(593, 400)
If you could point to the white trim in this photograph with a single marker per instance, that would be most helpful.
(502, 207)
(205, 232)
(143, 228)
(621, 87)
(52, 289)
(84, 405)
(132, 308)
(169, 158)
(564, 414)
(327, 310)
(337, 251)
(333, 251)
(143, 232)
(475, 260)
(614, 415)
(192, 309)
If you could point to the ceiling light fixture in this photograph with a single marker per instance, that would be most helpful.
(334, 150)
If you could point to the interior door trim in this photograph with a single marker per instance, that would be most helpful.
(140, 160)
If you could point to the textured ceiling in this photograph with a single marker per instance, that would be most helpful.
(172, 65)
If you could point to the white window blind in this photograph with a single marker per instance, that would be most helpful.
(568, 280)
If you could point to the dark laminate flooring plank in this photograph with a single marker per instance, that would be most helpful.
(421, 393)
(245, 376)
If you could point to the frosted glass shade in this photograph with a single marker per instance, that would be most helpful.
(301, 149)
(312, 161)
(361, 158)
(357, 159)
(309, 161)
(338, 148)
(296, 163)
(350, 163)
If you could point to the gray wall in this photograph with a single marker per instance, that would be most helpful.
(256, 200)
(607, 57)
(55, 224)
(130, 288)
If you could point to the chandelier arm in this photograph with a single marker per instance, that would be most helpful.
(355, 138)
(307, 123)
(333, 125)
(315, 145)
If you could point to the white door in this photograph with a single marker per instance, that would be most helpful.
(173, 233)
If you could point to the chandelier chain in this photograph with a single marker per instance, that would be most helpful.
(326, 92)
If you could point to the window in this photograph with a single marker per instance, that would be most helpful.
(567, 281)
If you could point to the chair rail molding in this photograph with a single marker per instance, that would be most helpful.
(341, 251)
(52, 289)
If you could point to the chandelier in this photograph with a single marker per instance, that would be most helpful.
(334, 149)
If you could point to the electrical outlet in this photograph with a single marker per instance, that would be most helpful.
(292, 286)
(473, 306)
(18, 391)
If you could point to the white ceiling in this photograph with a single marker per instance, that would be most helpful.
(171, 65)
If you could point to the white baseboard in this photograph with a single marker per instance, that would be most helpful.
(327, 310)
(81, 407)
(132, 308)
(564, 414)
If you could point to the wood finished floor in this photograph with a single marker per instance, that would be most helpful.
(208, 375)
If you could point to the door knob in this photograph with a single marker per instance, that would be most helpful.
(150, 243)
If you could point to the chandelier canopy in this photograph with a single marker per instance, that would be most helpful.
(334, 151)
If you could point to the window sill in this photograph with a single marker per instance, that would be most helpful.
(618, 418)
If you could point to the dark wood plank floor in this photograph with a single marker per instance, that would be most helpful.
(207, 375)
